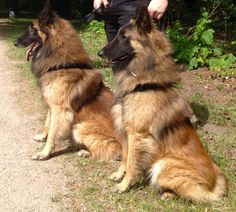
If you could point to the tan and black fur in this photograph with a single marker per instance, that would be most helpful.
(79, 103)
(159, 140)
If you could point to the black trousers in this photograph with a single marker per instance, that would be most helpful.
(113, 25)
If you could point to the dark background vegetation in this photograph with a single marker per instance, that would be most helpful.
(223, 12)
(29, 8)
(203, 32)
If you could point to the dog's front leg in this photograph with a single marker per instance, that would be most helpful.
(119, 175)
(141, 149)
(60, 127)
(130, 167)
(117, 117)
(43, 136)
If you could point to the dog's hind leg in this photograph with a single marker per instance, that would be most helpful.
(84, 153)
(43, 136)
(60, 127)
(98, 140)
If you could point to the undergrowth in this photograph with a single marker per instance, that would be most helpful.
(197, 47)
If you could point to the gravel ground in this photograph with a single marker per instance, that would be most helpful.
(25, 185)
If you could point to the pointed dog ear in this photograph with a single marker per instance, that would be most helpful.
(46, 16)
(142, 19)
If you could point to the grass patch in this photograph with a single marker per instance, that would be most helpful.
(96, 190)
(221, 114)
(221, 149)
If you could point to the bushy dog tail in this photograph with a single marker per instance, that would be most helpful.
(220, 188)
(203, 195)
(164, 176)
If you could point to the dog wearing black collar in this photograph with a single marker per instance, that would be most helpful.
(78, 102)
(159, 143)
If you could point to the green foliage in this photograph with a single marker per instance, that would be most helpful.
(180, 42)
(199, 49)
(96, 27)
(93, 37)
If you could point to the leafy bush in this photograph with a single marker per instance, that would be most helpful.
(199, 48)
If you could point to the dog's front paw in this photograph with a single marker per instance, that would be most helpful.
(121, 188)
(40, 137)
(167, 196)
(84, 153)
(117, 176)
(40, 156)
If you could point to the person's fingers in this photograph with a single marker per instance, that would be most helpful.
(159, 16)
(151, 13)
(97, 3)
(156, 8)
(155, 14)
(105, 3)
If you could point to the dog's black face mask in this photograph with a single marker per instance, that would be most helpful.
(119, 52)
(30, 38)
(37, 32)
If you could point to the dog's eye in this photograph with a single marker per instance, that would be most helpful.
(32, 29)
(123, 36)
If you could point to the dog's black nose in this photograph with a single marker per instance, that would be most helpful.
(101, 53)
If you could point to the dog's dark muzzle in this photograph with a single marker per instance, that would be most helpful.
(101, 53)
(19, 44)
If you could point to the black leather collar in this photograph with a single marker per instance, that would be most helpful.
(148, 87)
(70, 66)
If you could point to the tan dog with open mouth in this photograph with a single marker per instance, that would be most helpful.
(79, 103)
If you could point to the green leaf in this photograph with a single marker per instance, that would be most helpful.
(193, 63)
(194, 51)
(231, 58)
(214, 63)
(201, 60)
(217, 51)
(207, 37)
(205, 52)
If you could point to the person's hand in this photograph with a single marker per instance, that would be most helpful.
(156, 8)
(98, 3)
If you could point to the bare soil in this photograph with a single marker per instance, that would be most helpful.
(214, 89)
(25, 185)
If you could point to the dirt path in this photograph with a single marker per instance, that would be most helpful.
(25, 185)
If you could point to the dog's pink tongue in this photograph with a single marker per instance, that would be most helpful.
(29, 52)
(27, 55)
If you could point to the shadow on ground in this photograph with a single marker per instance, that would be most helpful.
(201, 112)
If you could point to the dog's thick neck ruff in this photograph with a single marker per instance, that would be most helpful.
(70, 66)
